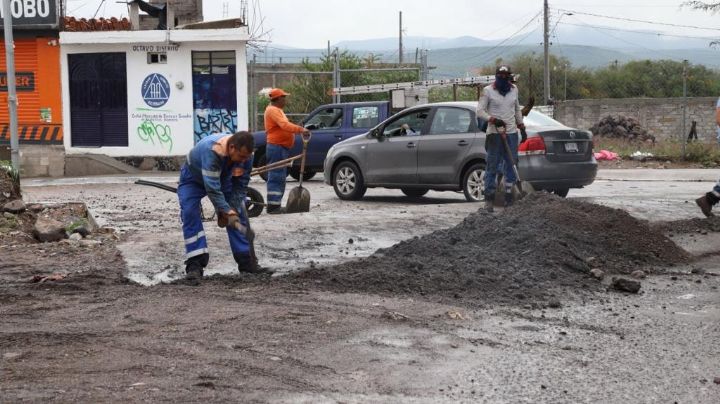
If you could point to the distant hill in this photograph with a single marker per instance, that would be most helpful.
(583, 46)
(562, 35)
(412, 42)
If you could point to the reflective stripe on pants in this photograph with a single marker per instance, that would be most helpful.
(190, 193)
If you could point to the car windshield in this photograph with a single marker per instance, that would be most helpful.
(536, 118)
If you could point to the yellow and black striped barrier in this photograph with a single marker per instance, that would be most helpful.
(34, 134)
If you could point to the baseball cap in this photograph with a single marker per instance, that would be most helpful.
(503, 69)
(277, 92)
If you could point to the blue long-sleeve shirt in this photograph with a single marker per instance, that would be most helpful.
(211, 166)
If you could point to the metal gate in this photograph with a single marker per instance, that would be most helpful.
(98, 99)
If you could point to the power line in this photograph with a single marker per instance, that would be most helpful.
(628, 42)
(482, 54)
(638, 32)
(667, 24)
(516, 43)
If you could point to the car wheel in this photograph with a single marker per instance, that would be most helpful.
(295, 173)
(561, 192)
(414, 192)
(254, 202)
(472, 182)
(348, 181)
(262, 162)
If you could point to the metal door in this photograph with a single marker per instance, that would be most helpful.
(442, 149)
(392, 158)
(98, 100)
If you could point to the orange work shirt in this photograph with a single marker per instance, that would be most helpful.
(279, 129)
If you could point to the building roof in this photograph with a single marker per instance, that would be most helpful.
(96, 24)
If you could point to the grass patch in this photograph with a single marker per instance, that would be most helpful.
(13, 173)
(707, 154)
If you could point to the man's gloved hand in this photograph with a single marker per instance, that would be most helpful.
(497, 122)
(523, 133)
(225, 217)
(234, 221)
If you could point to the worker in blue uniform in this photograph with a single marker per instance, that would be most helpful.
(218, 166)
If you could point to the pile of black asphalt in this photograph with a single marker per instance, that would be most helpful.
(541, 249)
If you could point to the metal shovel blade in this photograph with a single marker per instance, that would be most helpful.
(524, 188)
(298, 200)
(299, 197)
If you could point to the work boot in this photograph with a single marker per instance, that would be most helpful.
(276, 210)
(193, 273)
(490, 203)
(706, 202)
(509, 199)
(249, 265)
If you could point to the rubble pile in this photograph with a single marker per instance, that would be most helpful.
(527, 252)
(20, 223)
(622, 127)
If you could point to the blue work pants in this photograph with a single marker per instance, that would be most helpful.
(276, 178)
(498, 160)
(190, 193)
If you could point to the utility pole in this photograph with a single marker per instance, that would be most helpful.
(424, 65)
(336, 75)
(546, 48)
(253, 96)
(10, 78)
(400, 49)
(565, 86)
(685, 107)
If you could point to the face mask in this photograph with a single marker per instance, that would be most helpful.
(502, 84)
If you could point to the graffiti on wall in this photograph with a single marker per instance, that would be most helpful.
(150, 132)
(211, 121)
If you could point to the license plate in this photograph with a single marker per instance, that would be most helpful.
(571, 147)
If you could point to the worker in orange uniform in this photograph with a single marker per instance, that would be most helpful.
(280, 139)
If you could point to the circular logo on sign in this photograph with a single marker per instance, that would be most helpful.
(155, 90)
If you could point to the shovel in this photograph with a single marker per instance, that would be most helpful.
(523, 187)
(299, 197)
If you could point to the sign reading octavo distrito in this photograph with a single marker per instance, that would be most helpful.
(33, 13)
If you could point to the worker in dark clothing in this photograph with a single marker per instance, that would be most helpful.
(218, 166)
(500, 107)
(710, 199)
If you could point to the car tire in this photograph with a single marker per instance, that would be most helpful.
(472, 182)
(295, 173)
(561, 192)
(348, 181)
(261, 162)
(254, 202)
(414, 192)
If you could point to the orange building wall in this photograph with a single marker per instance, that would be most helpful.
(42, 57)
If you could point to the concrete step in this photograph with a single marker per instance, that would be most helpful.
(81, 165)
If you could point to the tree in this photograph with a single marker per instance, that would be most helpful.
(701, 5)
(311, 90)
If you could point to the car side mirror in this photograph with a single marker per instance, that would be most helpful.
(377, 134)
(311, 126)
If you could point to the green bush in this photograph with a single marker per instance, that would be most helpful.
(13, 173)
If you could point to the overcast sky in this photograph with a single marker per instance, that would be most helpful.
(311, 23)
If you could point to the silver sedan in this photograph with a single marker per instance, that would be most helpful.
(441, 146)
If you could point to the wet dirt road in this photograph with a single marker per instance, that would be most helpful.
(98, 337)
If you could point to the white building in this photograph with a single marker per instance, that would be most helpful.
(151, 93)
